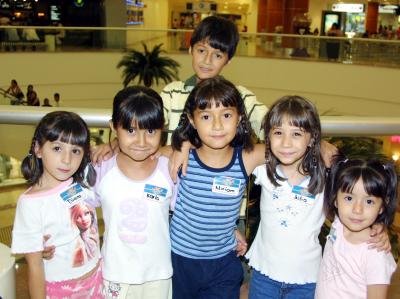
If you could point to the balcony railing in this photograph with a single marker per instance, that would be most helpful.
(365, 51)
(331, 125)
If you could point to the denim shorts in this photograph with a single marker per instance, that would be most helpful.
(263, 287)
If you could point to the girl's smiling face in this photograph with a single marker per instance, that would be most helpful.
(216, 126)
(357, 210)
(289, 143)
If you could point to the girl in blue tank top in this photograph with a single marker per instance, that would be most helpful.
(207, 207)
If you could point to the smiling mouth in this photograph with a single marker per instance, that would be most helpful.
(63, 170)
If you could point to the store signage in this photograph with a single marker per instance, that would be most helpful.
(388, 9)
(202, 6)
(395, 139)
(348, 7)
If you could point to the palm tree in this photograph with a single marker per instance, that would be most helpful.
(148, 66)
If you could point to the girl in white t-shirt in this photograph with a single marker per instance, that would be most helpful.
(286, 254)
(55, 170)
(134, 190)
(358, 194)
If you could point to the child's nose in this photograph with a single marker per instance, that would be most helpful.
(141, 139)
(217, 124)
(66, 157)
(357, 208)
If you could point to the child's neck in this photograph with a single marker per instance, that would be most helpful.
(215, 158)
(292, 174)
(356, 237)
(136, 170)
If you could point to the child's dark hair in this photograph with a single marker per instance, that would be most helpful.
(67, 127)
(140, 104)
(221, 92)
(299, 112)
(379, 180)
(220, 33)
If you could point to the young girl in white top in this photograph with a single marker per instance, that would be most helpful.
(359, 193)
(286, 253)
(134, 191)
(54, 168)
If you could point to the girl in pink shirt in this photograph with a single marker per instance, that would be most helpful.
(358, 193)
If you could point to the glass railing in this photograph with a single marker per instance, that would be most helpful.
(366, 51)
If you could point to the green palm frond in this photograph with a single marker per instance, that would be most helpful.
(148, 67)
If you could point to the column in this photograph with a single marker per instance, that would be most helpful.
(372, 17)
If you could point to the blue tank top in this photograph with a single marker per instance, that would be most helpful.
(207, 208)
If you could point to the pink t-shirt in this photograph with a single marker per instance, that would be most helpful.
(347, 269)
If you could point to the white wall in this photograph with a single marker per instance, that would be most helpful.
(92, 80)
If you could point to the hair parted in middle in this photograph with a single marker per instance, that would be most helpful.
(221, 92)
(299, 112)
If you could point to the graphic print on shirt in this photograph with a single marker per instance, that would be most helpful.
(300, 201)
(83, 219)
(134, 214)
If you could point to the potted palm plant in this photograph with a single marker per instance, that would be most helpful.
(148, 67)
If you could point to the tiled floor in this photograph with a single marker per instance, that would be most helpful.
(22, 286)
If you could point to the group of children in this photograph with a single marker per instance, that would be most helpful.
(144, 255)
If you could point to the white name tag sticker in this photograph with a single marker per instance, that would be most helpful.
(226, 185)
(73, 195)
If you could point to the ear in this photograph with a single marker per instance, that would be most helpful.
(110, 123)
(190, 50)
(335, 203)
(37, 150)
(192, 122)
(381, 210)
(239, 120)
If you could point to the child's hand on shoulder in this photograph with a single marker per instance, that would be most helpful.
(103, 152)
(379, 238)
(48, 251)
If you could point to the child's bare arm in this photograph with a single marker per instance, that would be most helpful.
(377, 291)
(328, 151)
(179, 160)
(254, 158)
(36, 279)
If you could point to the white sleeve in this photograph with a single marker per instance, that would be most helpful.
(260, 173)
(166, 98)
(28, 230)
(379, 267)
(256, 111)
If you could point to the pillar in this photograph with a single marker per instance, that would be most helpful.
(372, 17)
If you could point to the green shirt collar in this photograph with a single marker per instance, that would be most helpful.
(191, 82)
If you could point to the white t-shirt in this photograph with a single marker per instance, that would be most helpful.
(347, 269)
(286, 247)
(137, 246)
(64, 213)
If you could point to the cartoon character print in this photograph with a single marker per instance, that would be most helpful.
(113, 290)
(133, 220)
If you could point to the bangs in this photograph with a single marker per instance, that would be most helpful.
(219, 41)
(295, 114)
(373, 182)
(146, 114)
(218, 94)
(68, 130)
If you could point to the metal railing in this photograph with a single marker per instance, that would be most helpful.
(331, 125)
(366, 51)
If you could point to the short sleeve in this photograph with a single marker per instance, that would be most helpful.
(259, 172)
(379, 267)
(28, 231)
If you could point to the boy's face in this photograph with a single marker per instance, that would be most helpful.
(207, 62)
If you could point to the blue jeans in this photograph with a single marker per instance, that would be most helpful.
(263, 287)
